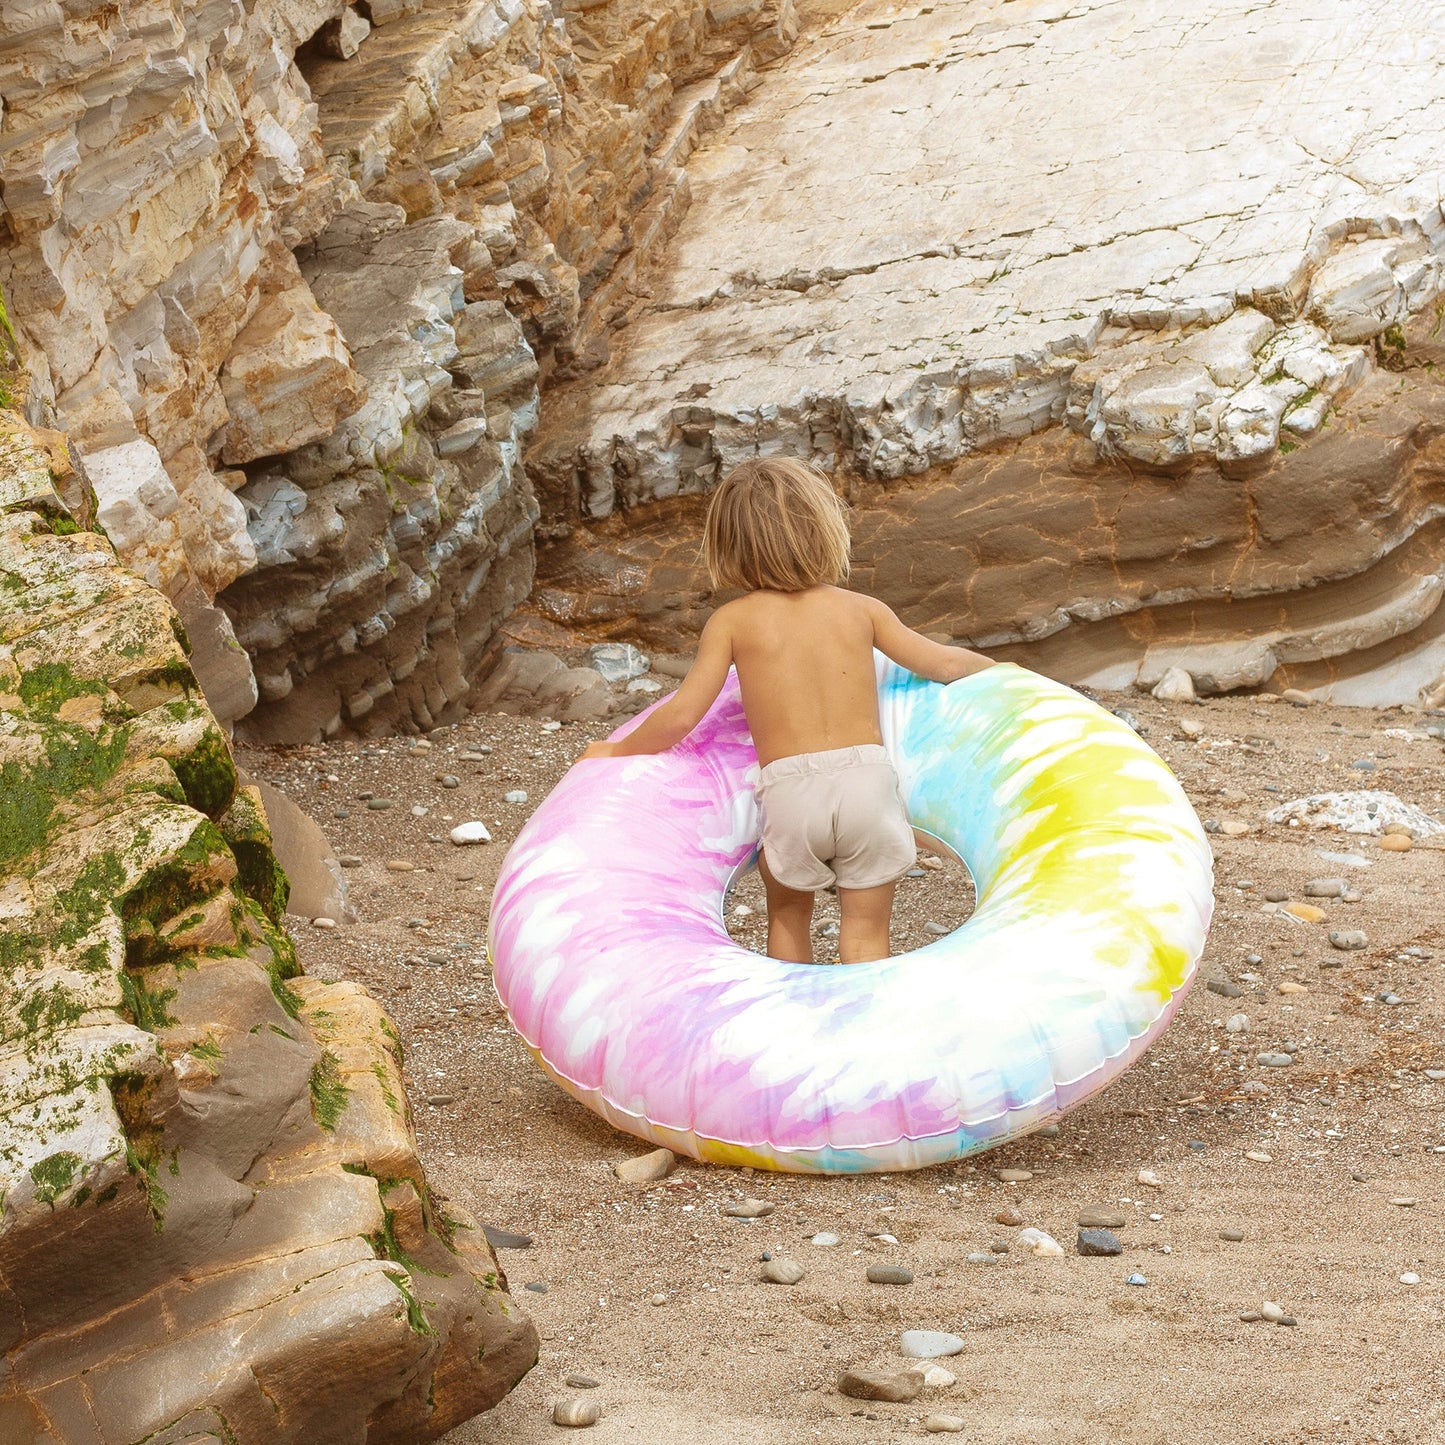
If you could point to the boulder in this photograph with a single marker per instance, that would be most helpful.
(215, 1222)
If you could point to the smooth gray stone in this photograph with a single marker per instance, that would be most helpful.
(929, 1344)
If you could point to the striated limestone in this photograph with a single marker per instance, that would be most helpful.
(214, 1223)
(1111, 330)
(161, 173)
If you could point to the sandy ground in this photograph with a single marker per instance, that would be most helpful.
(654, 1293)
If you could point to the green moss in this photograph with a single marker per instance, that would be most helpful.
(47, 1010)
(328, 1093)
(1287, 446)
(207, 775)
(54, 1174)
(145, 1008)
(45, 688)
(64, 526)
(386, 1091)
(415, 1315)
(208, 1049)
(144, 1152)
(30, 793)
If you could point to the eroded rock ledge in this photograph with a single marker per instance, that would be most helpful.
(287, 272)
(1125, 338)
(213, 1222)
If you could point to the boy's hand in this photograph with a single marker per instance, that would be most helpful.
(598, 750)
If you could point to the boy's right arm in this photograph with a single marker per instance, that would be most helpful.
(915, 653)
(669, 723)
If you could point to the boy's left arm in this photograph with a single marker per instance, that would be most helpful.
(668, 724)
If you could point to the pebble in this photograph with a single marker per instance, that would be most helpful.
(1040, 1244)
(999, 1246)
(943, 1424)
(436, 1101)
(577, 1411)
(1259, 1156)
(1233, 828)
(1410, 1277)
(1254, 1086)
(350, 860)
(979, 1257)
(1290, 986)
(1396, 843)
(474, 832)
(782, 1270)
(473, 756)
(1101, 1219)
(1325, 888)
(1250, 1317)
(935, 1377)
(658, 1299)
(1297, 698)
(1015, 1176)
(1137, 1280)
(897, 1389)
(450, 780)
(1099, 1242)
(928, 1345)
(582, 1382)
(1237, 1024)
(537, 1286)
(1271, 1312)
(1232, 1236)
(827, 1241)
(938, 930)
(888, 1274)
(1047, 1131)
(1274, 1061)
(1276, 895)
(400, 865)
(517, 795)
(1008, 1216)
(1405, 1201)
(646, 1168)
(748, 1209)
(1149, 1179)
(419, 745)
(418, 811)
(1189, 729)
(323, 923)
(1348, 939)
(1224, 988)
(618, 661)
(378, 805)
(1305, 912)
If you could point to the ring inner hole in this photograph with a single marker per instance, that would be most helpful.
(943, 896)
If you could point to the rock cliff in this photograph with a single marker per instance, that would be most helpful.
(1125, 335)
(213, 1222)
(286, 271)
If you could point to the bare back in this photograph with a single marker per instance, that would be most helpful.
(805, 666)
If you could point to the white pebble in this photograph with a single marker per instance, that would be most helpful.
(465, 833)
(323, 923)
(517, 795)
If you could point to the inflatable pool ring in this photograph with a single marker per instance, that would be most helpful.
(1094, 893)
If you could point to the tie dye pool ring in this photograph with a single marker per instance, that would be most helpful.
(1094, 892)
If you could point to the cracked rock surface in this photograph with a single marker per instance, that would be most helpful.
(214, 1225)
(1198, 248)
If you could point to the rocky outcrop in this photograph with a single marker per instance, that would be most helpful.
(214, 1223)
(1120, 342)
(287, 273)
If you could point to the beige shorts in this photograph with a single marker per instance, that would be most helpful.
(835, 817)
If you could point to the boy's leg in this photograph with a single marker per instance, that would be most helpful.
(790, 919)
(863, 935)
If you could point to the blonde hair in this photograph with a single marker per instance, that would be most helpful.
(775, 524)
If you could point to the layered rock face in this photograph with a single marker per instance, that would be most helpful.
(1124, 338)
(215, 1226)
(286, 272)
